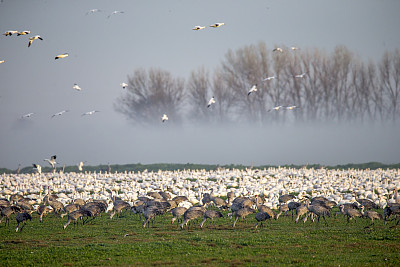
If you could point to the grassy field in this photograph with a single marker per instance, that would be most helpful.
(278, 243)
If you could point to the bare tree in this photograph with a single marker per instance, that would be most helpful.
(151, 94)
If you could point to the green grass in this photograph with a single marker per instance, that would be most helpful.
(278, 243)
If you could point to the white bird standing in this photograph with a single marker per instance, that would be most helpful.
(27, 115)
(59, 113)
(52, 161)
(115, 13)
(76, 87)
(90, 112)
(212, 101)
(164, 118)
(252, 89)
(216, 25)
(124, 85)
(31, 39)
(197, 28)
(62, 56)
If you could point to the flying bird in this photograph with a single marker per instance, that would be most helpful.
(275, 108)
(92, 11)
(23, 33)
(59, 113)
(212, 101)
(27, 115)
(31, 39)
(124, 85)
(51, 161)
(278, 49)
(294, 48)
(252, 89)
(115, 13)
(90, 112)
(164, 118)
(269, 78)
(80, 165)
(291, 107)
(37, 167)
(9, 33)
(2, 61)
(216, 25)
(62, 56)
(300, 75)
(76, 87)
(196, 28)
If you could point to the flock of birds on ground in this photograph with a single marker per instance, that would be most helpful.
(124, 85)
(198, 194)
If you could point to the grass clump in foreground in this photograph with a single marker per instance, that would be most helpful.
(123, 241)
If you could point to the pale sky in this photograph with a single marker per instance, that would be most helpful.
(104, 51)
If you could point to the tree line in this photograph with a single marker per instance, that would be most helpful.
(335, 87)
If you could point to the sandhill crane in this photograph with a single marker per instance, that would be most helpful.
(62, 56)
(350, 213)
(165, 195)
(229, 197)
(218, 202)
(216, 25)
(119, 206)
(7, 212)
(197, 28)
(22, 218)
(52, 161)
(149, 213)
(319, 211)
(392, 209)
(267, 210)
(285, 198)
(260, 217)
(70, 208)
(179, 199)
(211, 214)
(43, 210)
(292, 206)
(75, 215)
(282, 208)
(371, 214)
(191, 214)
(242, 213)
(368, 204)
(177, 213)
(300, 211)
(31, 39)
(252, 89)
(212, 101)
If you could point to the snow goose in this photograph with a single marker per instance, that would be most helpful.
(51, 161)
(28, 115)
(31, 39)
(62, 56)
(59, 113)
(216, 25)
(164, 118)
(197, 28)
(90, 112)
(252, 89)
(212, 101)
(76, 87)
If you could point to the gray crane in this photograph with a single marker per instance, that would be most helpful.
(191, 214)
(149, 213)
(282, 208)
(70, 208)
(260, 217)
(6, 212)
(119, 206)
(300, 211)
(211, 214)
(43, 210)
(371, 214)
(75, 215)
(177, 213)
(267, 210)
(285, 198)
(319, 210)
(350, 213)
(22, 218)
(242, 213)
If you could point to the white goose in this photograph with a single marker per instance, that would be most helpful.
(23, 33)
(275, 108)
(164, 118)
(62, 56)
(197, 28)
(252, 89)
(31, 39)
(59, 113)
(216, 25)
(9, 33)
(52, 161)
(90, 112)
(212, 101)
(269, 78)
(27, 115)
(76, 87)
(115, 13)
(124, 85)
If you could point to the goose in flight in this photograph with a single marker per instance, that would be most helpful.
(62, 56)
(23, 33)
(275, 108)
(92, 11)
(212, 101)
(300, 75)
(80, 165)
(216, 25)
(27, 115)
(291, 107)
(197, 28)
(278, 49)
(37, 167)
(294, 48)
(2, 61)
(252, 89)
(59, 113)
(9, 33)
(115, 13)
(52, 161)
(90, 112)
(269, 78)
(76, 87)
(124, 85)
(31, 39)
(164, 118)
